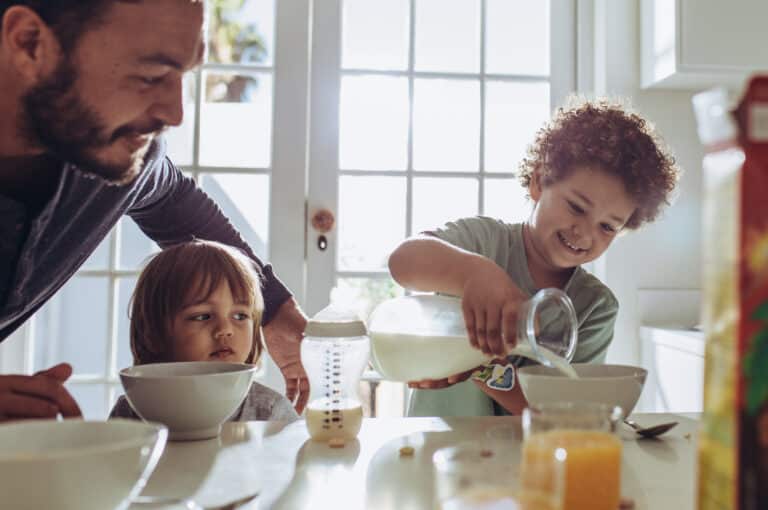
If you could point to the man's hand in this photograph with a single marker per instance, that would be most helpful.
(490, 302)
(283, 337)
(37, 396)
(436, 384)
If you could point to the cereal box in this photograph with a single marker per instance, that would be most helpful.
(733, 444)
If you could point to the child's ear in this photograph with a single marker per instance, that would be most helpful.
(534, 186)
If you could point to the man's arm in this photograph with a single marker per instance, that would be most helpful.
(41, 395)
(173, 209)
(283, 336)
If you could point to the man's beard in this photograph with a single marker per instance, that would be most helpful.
(55, 116)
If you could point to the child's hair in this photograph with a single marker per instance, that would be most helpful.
(608, 135)
(182, 274)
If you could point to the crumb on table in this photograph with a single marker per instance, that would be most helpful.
(406, 451)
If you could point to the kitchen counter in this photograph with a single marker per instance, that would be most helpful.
(292, 472)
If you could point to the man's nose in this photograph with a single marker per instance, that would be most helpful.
(169, 103)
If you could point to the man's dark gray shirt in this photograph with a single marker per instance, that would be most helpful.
(38, 255)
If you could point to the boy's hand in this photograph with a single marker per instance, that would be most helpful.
(37, 396)
(490, 302)
(436, 384)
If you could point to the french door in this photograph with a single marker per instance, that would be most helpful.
(420, 112)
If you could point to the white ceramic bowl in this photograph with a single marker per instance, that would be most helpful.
(192, 398)
(613, 385)
(75, 464)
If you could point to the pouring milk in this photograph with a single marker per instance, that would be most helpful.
(424, 336)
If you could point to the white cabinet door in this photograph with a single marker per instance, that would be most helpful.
(674, 359)
(696, 44)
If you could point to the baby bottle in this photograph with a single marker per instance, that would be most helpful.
(425, 337)
(334, 352)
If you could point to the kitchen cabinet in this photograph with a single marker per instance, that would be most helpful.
(699, 44)
(674, 358)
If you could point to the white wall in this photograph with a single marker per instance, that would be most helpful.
(664, 255)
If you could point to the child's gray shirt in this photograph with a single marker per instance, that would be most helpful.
(596, 309)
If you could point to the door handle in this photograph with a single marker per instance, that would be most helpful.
(322, 221)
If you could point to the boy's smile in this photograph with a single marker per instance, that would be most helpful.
(571, 246)
(575, 219)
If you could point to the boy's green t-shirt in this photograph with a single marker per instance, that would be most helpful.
(596, 308)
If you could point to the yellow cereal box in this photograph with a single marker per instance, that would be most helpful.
(733, 444)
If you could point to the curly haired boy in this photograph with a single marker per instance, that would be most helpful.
(595, 170)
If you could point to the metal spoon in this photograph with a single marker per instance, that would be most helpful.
(654, 431)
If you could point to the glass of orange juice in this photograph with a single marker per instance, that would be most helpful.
(584, 436)
(484, 475)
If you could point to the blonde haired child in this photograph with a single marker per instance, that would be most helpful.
(201, 301)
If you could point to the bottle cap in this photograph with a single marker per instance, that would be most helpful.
(337, 320)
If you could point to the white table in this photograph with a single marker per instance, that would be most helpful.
(293, 472)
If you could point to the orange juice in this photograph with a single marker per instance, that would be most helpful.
(592, 467)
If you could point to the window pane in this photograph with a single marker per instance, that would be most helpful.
(436, 201)
(72, 327)
(505, 199)
(99, 259)
(366, 293)
(181, 139)
(92, 399)
(446, 133)
(241, 32)
(371, 221)
(513, 114)
(125, 290)
(448, 36)
(245, 201)
(236, 120)
(375, 34)
(517, 37)
(373, 123)
(135, 246)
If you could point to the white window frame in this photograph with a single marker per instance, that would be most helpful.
(321, 265)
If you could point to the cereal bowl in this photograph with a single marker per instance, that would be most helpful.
(192, 399)
(612, 385)
(75, 464)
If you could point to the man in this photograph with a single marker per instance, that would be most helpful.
(86, 86)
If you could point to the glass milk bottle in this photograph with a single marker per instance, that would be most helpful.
(334, 352)
(425, 337)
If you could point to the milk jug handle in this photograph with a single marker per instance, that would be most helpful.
(526, 325)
